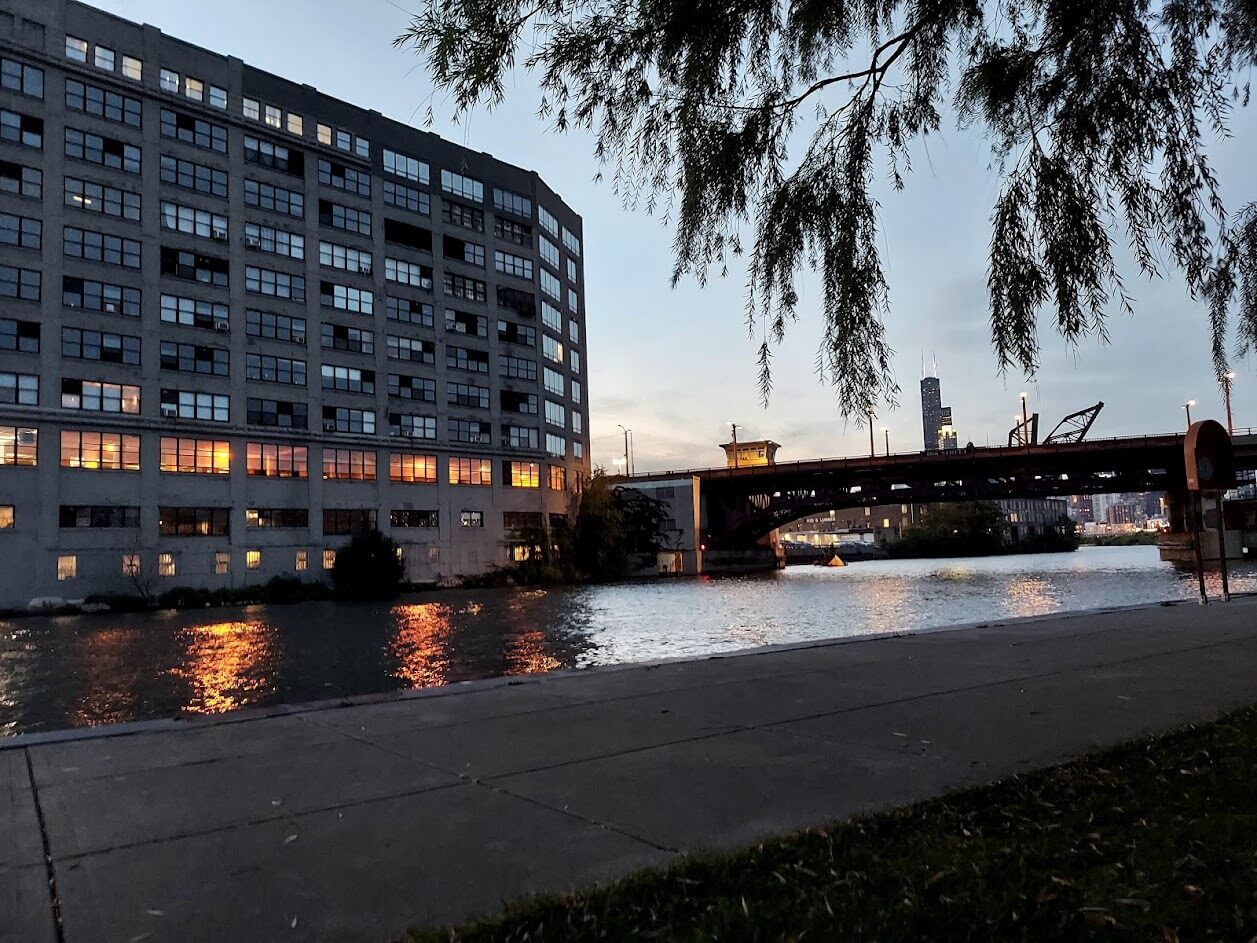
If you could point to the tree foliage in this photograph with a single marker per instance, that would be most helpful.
(368, 568)
(1098, 113)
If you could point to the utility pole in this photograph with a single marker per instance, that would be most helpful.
(872, 447)
(1188, 406)
(628, 469)
(735, 444)
(632, 452)
(1226, 390)
(1025, 421)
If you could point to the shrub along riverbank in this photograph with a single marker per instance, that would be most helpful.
(976, 529)
(1148, 841)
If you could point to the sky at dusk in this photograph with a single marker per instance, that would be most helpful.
(676, 365)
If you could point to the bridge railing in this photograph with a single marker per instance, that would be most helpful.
(1085, 445)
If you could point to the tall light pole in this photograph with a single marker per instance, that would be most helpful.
(628, 469)
(872, 447)
(1188, 406)
(632, 452)
(1226, 392)
(735, 443)
(1025, 420)
(886, 432)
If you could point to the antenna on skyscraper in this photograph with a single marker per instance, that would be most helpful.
(935, 353)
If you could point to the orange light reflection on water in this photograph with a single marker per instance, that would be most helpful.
(421, 645)
(105, 697)
(223, 663)
(1030, 596)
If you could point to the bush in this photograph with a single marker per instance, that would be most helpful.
(369, 568)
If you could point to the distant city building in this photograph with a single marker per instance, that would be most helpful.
(1027, 517)
(936, 419)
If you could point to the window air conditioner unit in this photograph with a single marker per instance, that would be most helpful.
(253, 242)
(221, 326)
(329, 427)
(26, 437)
(111, 307)
(170, 412)
(220, 235)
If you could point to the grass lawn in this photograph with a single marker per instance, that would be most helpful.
(1152, 841)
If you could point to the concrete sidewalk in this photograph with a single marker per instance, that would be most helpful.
(355, 823)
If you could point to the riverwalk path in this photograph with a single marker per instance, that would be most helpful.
(355, 822)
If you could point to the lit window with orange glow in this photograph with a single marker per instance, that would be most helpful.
(165, 564)
(471, 471)
(524, 474)
(67, 567)
(195, 456)
(302, 561)
(558, 478)
(329, 559)
(253, 559)
(222, 563)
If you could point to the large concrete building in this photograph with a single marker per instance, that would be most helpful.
(241, 320)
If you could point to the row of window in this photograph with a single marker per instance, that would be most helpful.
(335, 523)
(113, 451)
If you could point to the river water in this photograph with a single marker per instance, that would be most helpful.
(72, 671)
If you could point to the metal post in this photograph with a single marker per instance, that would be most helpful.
(887, 432)
(628, 470)
(1193, 517)
(1226, 582)
(632, 452)
(872, 447)
(1025, 422)
(735, 444)
(1226, 389)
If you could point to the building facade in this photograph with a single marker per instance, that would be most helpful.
(241, 320)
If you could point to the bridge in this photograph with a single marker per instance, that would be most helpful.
(742, 505)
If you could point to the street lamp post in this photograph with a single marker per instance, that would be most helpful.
(735, 443)
(1226, 392)
(872, 447)
(886, 432)
(1025, 420)
(628, 468)
(1188, 406)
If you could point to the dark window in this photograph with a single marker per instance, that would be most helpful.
(335, 174)
(277, 517)
(195, 131)
(339, 337)
(345, 217)
(17, 180)
(512, 333)
(101, 247)
(512, 231)
(100, 345)
(523, 303)
(112, 106)
(411, 518)
(194, 358)
(22, 232)
(19, 77)
(266, 368)
(193, 522)
(339, 521)
(21, 336)
(98, 198)
(464, 322)
(276, 413)
(416, 388)
(408, 311)
(99, 296)
(455, 214)
(21, 283)
(23, 129)
(193, 176)
(275, 156)
(89, 515)
(404, 234)
(470, 289)
(280, 327)
(96, 149)
(275, 199)
(195, 267)
(407, 198)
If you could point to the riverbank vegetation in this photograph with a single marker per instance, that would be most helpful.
(611, 533)
(1143, 538)
(1148, 841)
(976, 529)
